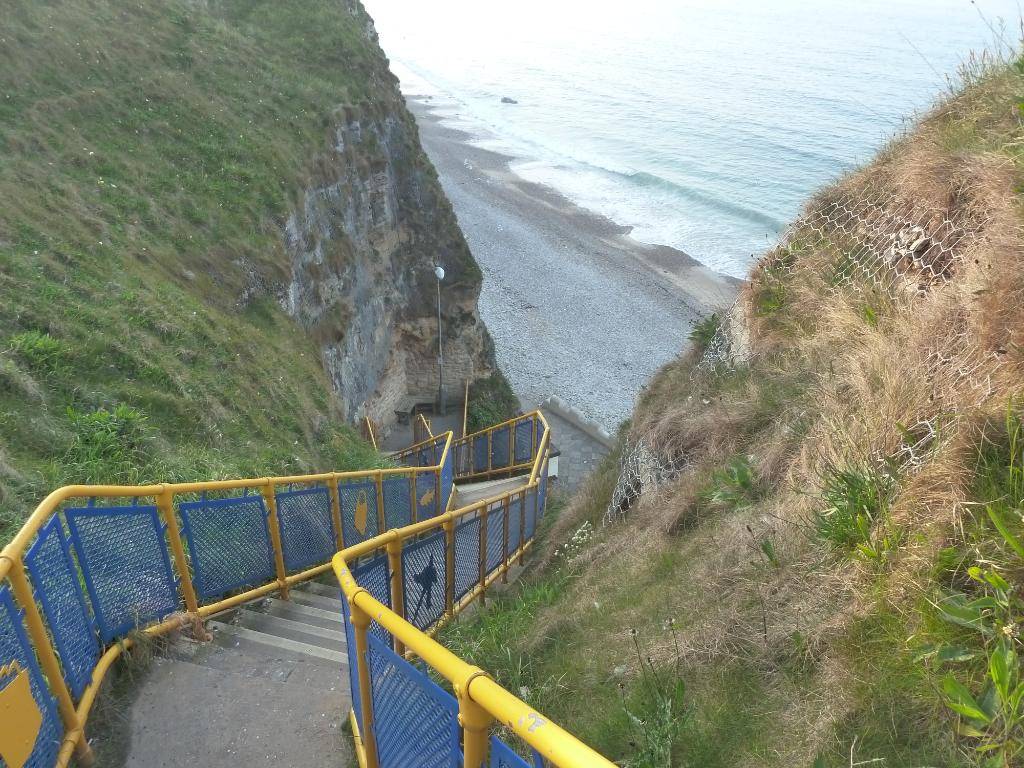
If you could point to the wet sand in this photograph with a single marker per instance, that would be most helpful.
(576, 307)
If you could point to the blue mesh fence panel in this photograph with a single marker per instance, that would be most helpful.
(502, 756)
(426, 495)
(531, 515)
(467, 556)
(59, 591)
(228, 543)
(515, 524)
(524, 441)
(307, 531)
(124, 560)
(447, 480)
(500, 448)
(423, 570)
(353, 669)
(414, 720)
(397, 501)
(358, 510)
(374, 576)
(480, 453)
(14, 647)
(495, 537)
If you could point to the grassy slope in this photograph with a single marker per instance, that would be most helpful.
(147, 154)
(799, 642)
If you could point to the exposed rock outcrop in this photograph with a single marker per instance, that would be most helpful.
(362, 244)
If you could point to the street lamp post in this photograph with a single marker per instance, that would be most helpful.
(439, 273)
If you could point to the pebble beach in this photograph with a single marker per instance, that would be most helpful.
(576, 307)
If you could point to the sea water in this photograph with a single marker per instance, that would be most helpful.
(704, 125)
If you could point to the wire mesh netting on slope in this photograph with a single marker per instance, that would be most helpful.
(875, 241)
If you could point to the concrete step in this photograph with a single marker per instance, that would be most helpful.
(241, 637)
(331, 604)
(324, 590)
(470, 493)
(305, 614)
(329, 639)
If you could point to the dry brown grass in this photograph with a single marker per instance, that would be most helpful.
(842, 373)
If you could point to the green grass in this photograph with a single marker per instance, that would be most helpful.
(971, 640)
(732, 486)
(491, 401)
(151, 154)
(896, 717)
(704, 330)
(852, 501)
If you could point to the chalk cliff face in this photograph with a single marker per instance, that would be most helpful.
(362, 243)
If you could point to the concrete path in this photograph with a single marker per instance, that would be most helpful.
(582, 443)
(469, 493)
(271, 689)
(401, 435)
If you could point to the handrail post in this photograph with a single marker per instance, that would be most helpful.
(449, 568)
(475, 722)
(483, 554)
(522, 525)
(533, 437)
(380, 502)
(414, 511)
(275, 537)
(504, 544)
(437, 492)
(490, 451)
(339, 530)
(360, 623)
(48, 659)
(511, 447)
(394, 550)
(165, 503)
(536, 507)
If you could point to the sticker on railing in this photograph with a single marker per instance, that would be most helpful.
(362, 509)
(22, 718)
(30, 731)
(423, 566)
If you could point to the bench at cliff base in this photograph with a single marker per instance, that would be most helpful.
(95, 567)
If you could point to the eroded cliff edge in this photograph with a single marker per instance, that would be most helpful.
(362, 244)
(217, 240)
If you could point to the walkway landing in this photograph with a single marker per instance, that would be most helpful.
(470, 493)
(271, 689)
(401, 436)
(583, 443)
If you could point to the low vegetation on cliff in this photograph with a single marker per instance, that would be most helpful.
(818, 555)
(151, 153)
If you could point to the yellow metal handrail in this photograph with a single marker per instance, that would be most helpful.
(421, 426)
(371, 433)
(14, 572)
(463, 448)
(481, 701)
